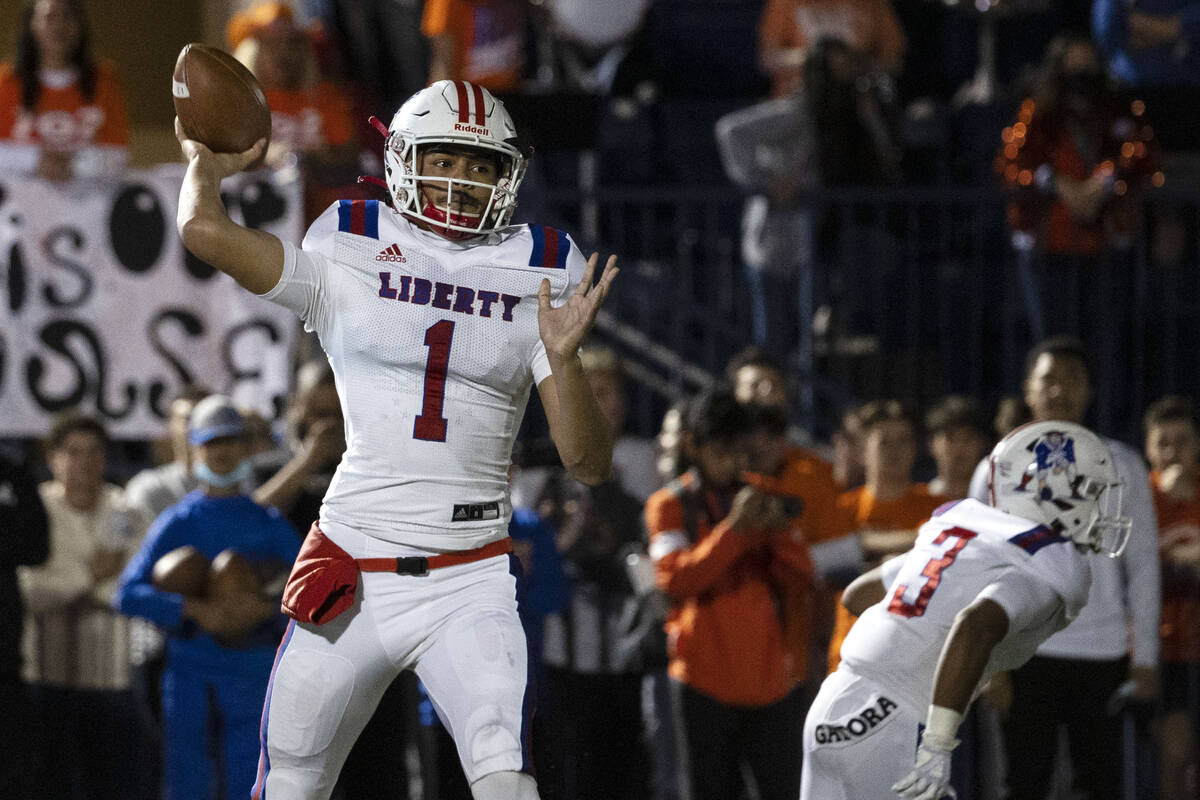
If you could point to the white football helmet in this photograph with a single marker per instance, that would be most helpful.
(1061, 474)
(461, 114)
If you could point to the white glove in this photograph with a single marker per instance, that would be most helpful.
(930, 777)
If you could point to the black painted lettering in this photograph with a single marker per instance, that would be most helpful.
(62, 247)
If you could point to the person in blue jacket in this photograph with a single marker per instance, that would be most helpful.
(220, 647)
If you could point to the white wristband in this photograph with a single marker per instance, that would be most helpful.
(941, 725)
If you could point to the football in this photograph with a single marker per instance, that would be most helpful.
(232, 575)
(218, 101)
(184, 570)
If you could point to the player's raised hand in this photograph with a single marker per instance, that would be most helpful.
(223, 164)
(563, 328)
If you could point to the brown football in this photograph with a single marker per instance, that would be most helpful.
(233, 575)
(184, 570)
(218, 101)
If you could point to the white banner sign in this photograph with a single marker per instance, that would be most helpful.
(103, 310)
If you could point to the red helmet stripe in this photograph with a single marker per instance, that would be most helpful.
(464, 110)
(480, 111)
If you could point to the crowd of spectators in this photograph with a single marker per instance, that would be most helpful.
(681, 614)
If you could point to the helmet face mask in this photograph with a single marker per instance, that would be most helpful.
(453, 115)
(1061, 475)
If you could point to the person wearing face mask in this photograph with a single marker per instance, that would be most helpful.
(1078, 161)
(220, 647)
(1066, 154)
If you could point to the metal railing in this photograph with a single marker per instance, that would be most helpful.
(915, 292)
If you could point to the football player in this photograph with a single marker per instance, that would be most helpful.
(982, 587)
(437, 317)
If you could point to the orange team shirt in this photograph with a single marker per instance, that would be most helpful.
(725, 634)
(809, 477)
(858, 510)
(867, 25)
(1178, 527)
(306, 119)
(489, 39)
(63, 119)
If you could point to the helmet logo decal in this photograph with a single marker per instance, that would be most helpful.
(1053, 456)
(1061, 474)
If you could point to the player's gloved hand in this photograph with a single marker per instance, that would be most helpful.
(930, 777)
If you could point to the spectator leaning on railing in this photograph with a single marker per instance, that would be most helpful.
(1074, 157)
(62, 113)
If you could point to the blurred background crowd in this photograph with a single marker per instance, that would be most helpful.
(861, 241)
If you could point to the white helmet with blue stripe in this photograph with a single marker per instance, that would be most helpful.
(457, 114)
(1061, 474)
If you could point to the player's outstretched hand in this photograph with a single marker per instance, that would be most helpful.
(930, 777)
(562, 329)
(223, 164)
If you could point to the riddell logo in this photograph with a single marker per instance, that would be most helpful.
(392, 253)
(458, 126)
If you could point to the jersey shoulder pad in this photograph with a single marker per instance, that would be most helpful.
(357, 217)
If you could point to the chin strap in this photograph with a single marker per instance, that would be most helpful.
(379, 126)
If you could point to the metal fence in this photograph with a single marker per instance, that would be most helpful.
(909, 292)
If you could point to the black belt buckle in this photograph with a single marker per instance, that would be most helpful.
(412, 565)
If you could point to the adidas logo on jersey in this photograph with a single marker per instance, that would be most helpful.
(391, 253)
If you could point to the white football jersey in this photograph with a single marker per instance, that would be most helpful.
(966, 550)
(434, 345)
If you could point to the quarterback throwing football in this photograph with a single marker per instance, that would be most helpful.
(983, 586)
(437, 317)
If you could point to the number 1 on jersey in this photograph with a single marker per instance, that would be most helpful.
(932, 574)
(430, 425)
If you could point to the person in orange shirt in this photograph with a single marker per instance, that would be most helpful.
(1172, 448)
(311, 120)
(886, 511)
(788, 28)
(723, 553)
(480, 41)
(62, 113)
(760, 385)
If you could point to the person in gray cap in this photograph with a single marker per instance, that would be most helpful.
(221, 637)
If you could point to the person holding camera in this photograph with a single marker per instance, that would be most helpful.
(726, 554)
